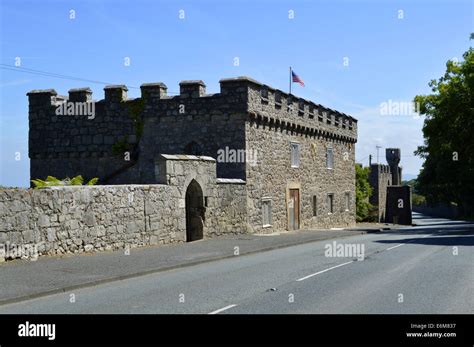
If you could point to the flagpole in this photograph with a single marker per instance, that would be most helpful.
(290, 80)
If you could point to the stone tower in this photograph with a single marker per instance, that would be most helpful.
(393, 159)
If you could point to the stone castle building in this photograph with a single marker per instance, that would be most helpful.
(289, 161)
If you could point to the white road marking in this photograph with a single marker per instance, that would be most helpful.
(320, 272)
(222, 309)
(401, 244)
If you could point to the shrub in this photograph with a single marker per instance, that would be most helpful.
(52, 181)
(363, 193)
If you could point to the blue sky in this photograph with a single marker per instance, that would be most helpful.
(389, 58)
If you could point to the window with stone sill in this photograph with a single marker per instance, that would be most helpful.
(329, 158)
(301, 108)
(314, 205)
(277, 99)
(330, 203)
(289, 106)
(311, 111)
(347, 200)
(328, 119)
(295, 154)
(320, 116)
(267, 212)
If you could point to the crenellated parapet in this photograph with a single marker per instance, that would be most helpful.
(42, 97)
(80, 95)
(151, 91)
(82, 129)
(274, 107)
(75, 134)
(241, 94)
(380, 168)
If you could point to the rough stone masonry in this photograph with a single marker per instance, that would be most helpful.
(74, 219)
(301, 174)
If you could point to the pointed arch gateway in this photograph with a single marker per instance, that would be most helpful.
(195, 212)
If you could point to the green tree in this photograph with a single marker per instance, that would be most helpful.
(447, 174)
(363, 193)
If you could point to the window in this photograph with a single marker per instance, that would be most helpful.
(329, 158)
(328, 118)
(348, 201)
(289, 103)
(301, 107)
(278, 98)
(295, 154)
(267, 212)
(264, 94)
(330, 203)
(315, 206)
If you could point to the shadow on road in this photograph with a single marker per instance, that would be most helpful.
(419, 219)
(438, 231)
(443, 232)
(436, 241)
(454, 222)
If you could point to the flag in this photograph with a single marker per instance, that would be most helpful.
(296, 78)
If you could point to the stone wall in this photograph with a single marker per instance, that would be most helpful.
(193, 123)
(69, 145)
(75, 219)
(269, 134)
(228, 212)
(190, 123)
(380, 178)
(273, 175)
(398, 208)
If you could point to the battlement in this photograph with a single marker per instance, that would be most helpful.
(153, 90)
(49, 97)
(192, 89)
(84, 130)
(80, 95)
(241, 94)
(380, 168)
(277, 107)
(42, 97)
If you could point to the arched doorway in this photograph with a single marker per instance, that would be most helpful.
(194, 212)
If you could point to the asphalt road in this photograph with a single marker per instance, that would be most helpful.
(424, 269)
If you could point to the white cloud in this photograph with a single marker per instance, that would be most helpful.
(402, 132)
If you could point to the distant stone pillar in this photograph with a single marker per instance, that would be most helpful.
(393, 158)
